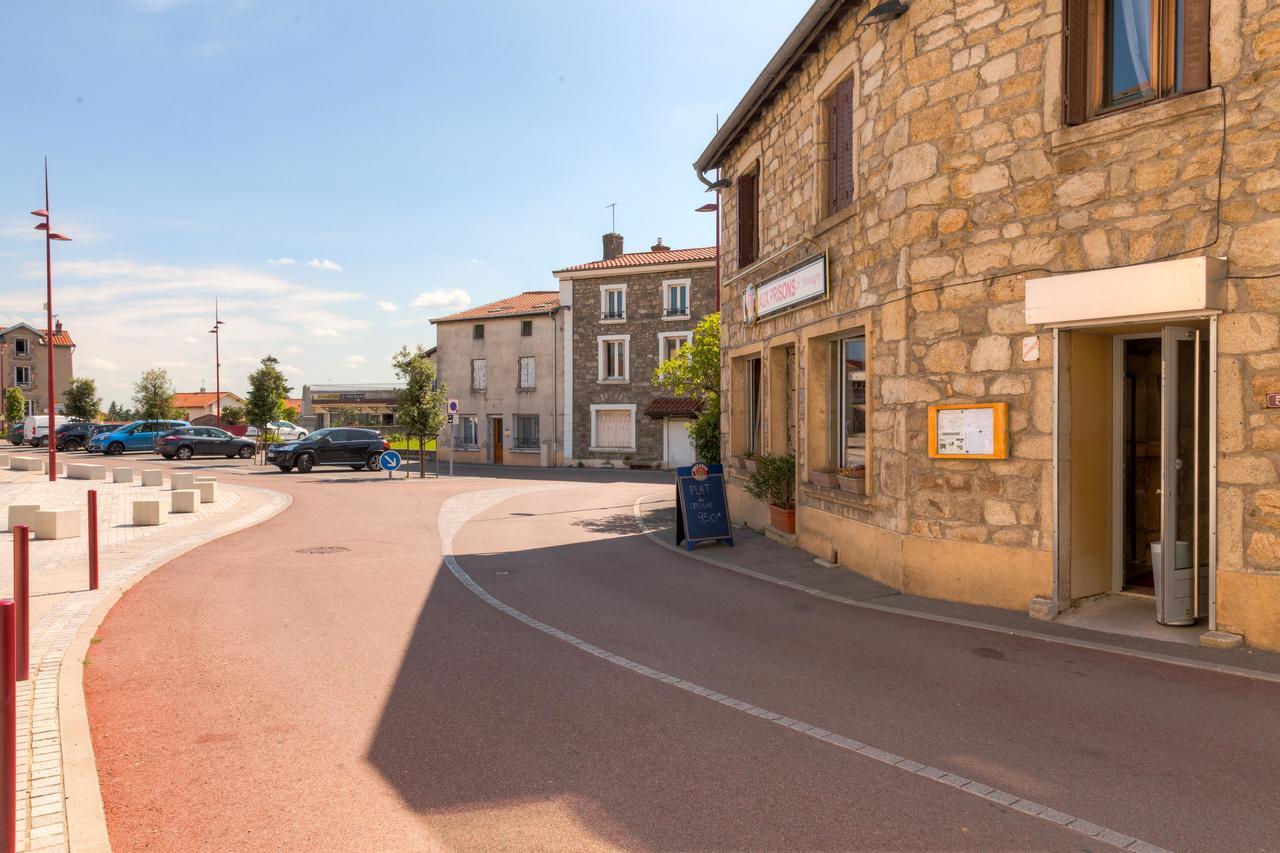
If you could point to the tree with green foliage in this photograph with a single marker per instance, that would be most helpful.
(117, 413)
(346, 416)
(267, 391)
(694, 371)
(232, 415)
(81, 400)
(153, 395)
(15, 403)
(420, 408)
(290, 414)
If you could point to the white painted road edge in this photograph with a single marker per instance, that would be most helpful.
(458, 510)
(1189, 663)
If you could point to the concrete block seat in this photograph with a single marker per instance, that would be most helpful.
(182, 480)
(122, 475)
(208, 491)
(153, 477)
(184, 500)
(28, 463)
(60, 523)
(22, 514)
(149, 512)
(84, 471)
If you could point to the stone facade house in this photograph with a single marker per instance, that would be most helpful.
(502, 363)
(24, 362)
(1060, 218)
(626, 313)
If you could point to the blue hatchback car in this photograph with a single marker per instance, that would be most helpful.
(139, 435)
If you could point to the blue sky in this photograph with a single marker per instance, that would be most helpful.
(408, 158)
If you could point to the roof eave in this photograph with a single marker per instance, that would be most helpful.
(533, 312)
(809, 28)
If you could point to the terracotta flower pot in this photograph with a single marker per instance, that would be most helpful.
(826, 479)
(853, 485)
(783, 519)
(751, 465)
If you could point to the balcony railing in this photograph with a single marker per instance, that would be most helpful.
(676, 311)
(613, 315)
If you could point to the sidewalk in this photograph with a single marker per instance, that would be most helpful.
(757, 556)
(56, 774)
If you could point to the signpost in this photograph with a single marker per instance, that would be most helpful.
(390, 462)
(702, 511)
(451, 408)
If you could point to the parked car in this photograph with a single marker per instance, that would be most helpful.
(139, 435)
(355, 448)
(35, 430)
(282, 430)
(188, 441)
(14, 434)
(74, 436)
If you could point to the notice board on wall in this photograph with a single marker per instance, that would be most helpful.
(969, 431)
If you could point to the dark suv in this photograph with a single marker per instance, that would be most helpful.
(75, 436)
(355, 448)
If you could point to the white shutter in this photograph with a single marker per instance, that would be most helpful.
(613, 428)
(527, 371)
(478, 379)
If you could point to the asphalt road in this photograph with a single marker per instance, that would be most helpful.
(255, 695)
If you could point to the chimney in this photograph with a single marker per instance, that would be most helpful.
(659, 247)
(57, 326)
(612, 246)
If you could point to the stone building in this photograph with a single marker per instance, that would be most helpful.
(24, 362)
(1064, 220)
(626, 313)
(502, 363)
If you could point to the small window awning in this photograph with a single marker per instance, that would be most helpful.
(673, 407)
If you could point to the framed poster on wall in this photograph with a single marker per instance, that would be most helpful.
(969, 431)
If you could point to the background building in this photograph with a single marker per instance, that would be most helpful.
(368, 405)
(502, 363)
(24, 362)
(628, 313)
(985, 206)
(204, 403)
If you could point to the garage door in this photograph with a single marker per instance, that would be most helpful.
(613, 429)
(679, 443)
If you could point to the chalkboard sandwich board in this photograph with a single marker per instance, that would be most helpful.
(702, 511)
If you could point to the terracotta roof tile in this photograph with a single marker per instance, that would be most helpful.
(529, 302)
(673, 407)
(644, 259)
(197, 399)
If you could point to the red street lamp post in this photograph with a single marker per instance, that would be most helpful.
(216, 331)
(49, 237)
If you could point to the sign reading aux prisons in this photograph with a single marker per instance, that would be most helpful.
(797, 286)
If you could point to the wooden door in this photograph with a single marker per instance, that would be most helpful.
(497, 441)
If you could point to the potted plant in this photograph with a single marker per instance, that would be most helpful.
(853, 480)
(752, 462)
(826, 479)
(774, 482)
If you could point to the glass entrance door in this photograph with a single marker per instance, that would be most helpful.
(1180, 559)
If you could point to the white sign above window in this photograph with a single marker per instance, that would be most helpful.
(798, 286)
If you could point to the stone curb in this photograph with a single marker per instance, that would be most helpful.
(85, 813)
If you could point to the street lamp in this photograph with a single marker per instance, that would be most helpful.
(714, 207)
(49, 237)
(217, 364)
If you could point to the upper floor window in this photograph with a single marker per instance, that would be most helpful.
(613, 304)
(28, 407)
(21, 346)
(526, 373)
(22, 376)
(839, 177)
(477, 332)
(1125, 52)
(675, 298)
(526, 328)
(670, 344)
(748, 208)
(613, 366)
(479, 375)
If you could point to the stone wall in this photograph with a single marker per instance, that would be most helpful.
(967, 182)
(644, 322)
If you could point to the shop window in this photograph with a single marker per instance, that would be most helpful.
(748, 216)
(675, 298)
(754, 408)
(466, 431)
(526, 328)
(526, 374)
(477, 332)
(839, 178)
(527, 432)
(479, 375)
(1125, 52)
(848, 427)
(613, 304)
(613, 365)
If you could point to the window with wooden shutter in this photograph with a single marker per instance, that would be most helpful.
(613, 429)
(479, 376)
(839, 115)
(1122, 53)
(748, 207)
(525, 381)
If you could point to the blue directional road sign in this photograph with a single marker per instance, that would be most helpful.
(390, 461)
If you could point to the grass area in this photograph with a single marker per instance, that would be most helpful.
(406, 445)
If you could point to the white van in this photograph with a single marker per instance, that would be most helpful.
(35, 430)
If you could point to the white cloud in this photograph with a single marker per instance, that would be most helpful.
(293, 349)
(189, 339)
(291, 369)
(324, 264)
(444, 301)
(389, 307)
(100, 364)
(281, 262)
(170, 365)
(354, 361)
(326, 332)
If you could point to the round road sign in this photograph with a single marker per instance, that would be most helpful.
(389, 460)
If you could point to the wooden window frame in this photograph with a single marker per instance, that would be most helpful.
(838, 180)
(477, 332)
(748, 201)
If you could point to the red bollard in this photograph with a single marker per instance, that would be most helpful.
(8, 727)
(93, 539)
(22, 598)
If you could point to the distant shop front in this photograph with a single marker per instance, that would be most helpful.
(350, 405)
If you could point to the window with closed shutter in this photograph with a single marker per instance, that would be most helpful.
(1121, 53)
(839, 115)
(479, 376)
(748, 207)
(525, 381)
(613, 429)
